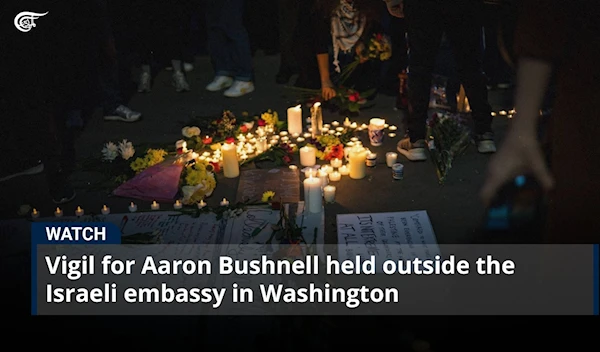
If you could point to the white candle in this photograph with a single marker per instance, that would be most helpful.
(327, 169)
(335, 176)
(338, 134)
(78, 211)
(350, 144)
(300, 139)
(249, 135)
(336, 163)
(313, 194)
(502, 112)
(206, 154)
(363, 126)
(329, 194)
(325, 129)
(392, 128)
(283, 133)
(154, 206)
(354, 139)
(105, 210)
(347, 122)
(285, 139)
(391, 135)
(132, 207)
(358, 166)
(344, 170)
(339, 129)
(224, 202)
(231, 167)
(58, 213)
(310, 173)
(335, 124)
(353, 125)
(293, 167)
(324, 177)
(294, 116)
(307, 135)
(390, 158)
(331, 131)
(308, 156)
(35, 214)
(377, 123)
(202, 204)
(386, 125)
(177, 205)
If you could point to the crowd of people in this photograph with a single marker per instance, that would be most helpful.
(90, 46)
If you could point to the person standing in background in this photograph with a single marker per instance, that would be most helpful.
(570, 47)
(229, 48)
(288, 20)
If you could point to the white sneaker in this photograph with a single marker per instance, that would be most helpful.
(144, 85)
(123, 113)
(412, 151)
(179, 82)
(219, 83)
(239, 88)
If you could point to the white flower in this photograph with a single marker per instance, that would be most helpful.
(189, 132)
(110, 151)
(126, 149)
(249, 125)
(180, 144)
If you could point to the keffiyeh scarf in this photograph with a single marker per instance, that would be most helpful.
(347, 26)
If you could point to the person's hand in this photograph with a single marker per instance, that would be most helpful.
(395, 7)
(520, 154)
(327, 90)
(360, 49)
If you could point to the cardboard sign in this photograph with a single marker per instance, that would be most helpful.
(283, 181)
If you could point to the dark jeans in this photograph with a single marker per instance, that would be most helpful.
(288, 21)
(427, 20)
(228, 42)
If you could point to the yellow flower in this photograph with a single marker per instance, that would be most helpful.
(155, 156)
(320, 155)
(267, 196)
(270, 117)
(385, 56)
(139, 164)
(215, 146)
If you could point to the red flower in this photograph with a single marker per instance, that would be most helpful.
(286, 159)
(179, 151)
(230, 140)
(379, 37)
(337, 152)
(243, 129)
(354, 97)
(207, 140)
(215, 166)
(261, 122)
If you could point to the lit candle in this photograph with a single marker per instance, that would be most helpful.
(329, 194)
(294, 116)
(105, 210)
(344, 170)
(331, 131)
(335, 124)
(276, 137)
(249, 135)
(35, 214)
(391, 135)
(364, 126)
(502, 112)
(493, 114)
(313, 194)
(58, 213)
(78, 211)
(336, 163)
(177, 205)
(392, 128)
(347, 122)
(308, 156)
(386, 125)
(325, 129)
(293, 167)
(292, 145)
(132, 207)
(309, 172)
(358, 157)
(353, 125)
(371, 159)
(283, 133)
(307, 135)
(335, 176)
(207, 140)
(300, 139)
(202, 204)
(324, 177)
(224, 202)
(376, 127)
(350, 144)
(339, 129)
(206, 154)
(154, 206)
(327, 169)
(285, 139)
(326, 125)
(390, 158)
(338, 134)
(354, 139)
(231, 166)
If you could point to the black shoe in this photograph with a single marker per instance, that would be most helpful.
(33, 169)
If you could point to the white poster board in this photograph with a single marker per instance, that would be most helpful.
(389, 236)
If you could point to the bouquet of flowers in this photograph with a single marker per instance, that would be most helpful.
(199, 182)
(448, 138)
(379, 48)
(280, 154)
(328, 147)
(346, 100)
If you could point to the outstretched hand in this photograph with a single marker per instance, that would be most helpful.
(519, 155)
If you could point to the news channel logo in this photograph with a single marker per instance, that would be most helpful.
(25, 21)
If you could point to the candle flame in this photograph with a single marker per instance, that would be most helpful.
(104, 207)
(132, 204)
(57, 209)
(34, 211)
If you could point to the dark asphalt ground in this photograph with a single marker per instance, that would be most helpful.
(454, 208)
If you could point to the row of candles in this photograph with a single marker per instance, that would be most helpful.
(105, 210)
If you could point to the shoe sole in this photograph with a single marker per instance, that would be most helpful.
(219, 89)
(420, 154)
(29, 172)
(65, 200)
(119, 118)
(486, 147)
(238, 95)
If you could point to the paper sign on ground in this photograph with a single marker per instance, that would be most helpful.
(283, 181)
(389, 236)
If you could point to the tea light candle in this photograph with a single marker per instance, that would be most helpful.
(293, 167)
(105, 210)
(392, 128)
(338, 134)
(347, 122)
(283, 133)
(294, 119)
(329, 194)
(371, 159)
(285, 139)
(391, 135)
(493, 114)
(231, 166)
(132, 207)
(78, 211)
(325, 129)
(335, 124)
(292, 145)
(324, 177)
(353, 125)
(354, 139)
(358, 166)
(313, 194)
(308, 156)
(331, 131)
(336, 163)
(177, 205)
(310, 173)
(249, 135)
(307, 135)
(364, 126)
(276, 137)
(327, 169)
(224, 202)
(154, 206)
(335, 176)
(344, 170)
(295, 135)
(201, 204)
(300, 139)
(385, 125)
(390, 158)
(58, 213)
(502, 112)
(350, 144)
(35, 214)
(339, 129)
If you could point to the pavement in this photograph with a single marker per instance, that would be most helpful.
(454, 208)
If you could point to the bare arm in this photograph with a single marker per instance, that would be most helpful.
(326, 86)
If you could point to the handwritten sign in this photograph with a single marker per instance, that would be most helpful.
(389, 236)
(284, 182)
